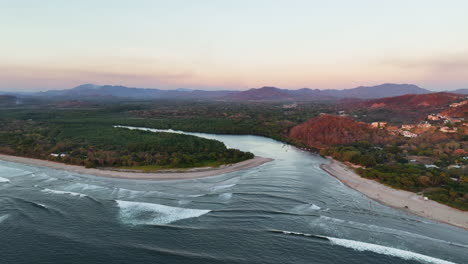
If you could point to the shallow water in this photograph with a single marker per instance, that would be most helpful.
(285, 211)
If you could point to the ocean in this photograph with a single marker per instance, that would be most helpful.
(285, 211)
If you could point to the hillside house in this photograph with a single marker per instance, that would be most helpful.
(436, 117)
(459, 104)
(424, 124)
(58, 155)
(407, 134)
(407, 127)
(448, 130)
(379, 124)
(433, 117)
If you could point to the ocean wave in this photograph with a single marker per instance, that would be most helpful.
(225, 196)
(139, 213)
(221, 187)
(41, 205)
(331, 219)
(315, 207)
(64, 192)
(3, 217)
(4, 180)
(305, 208)
(83, 186)
(182, 202)
(191, 255)
(386, 230)
(122, 193)
(363, 246)
(394, 252)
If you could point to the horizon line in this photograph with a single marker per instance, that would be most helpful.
(221, 89)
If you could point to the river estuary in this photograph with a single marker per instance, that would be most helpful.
(285, 211)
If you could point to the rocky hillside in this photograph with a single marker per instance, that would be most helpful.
(327, 130)
(408, 108)
(458, 111)
(414, 101)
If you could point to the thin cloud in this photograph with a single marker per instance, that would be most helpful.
(439, 63)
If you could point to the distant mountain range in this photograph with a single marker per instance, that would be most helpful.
(362, 92)
(7, 99)
(109, 91)
(461, 91)
(91, 91)
(412, 102)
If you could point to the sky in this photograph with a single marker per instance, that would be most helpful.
(241, 44)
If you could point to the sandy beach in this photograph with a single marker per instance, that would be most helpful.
(397, 198)
(189, 174)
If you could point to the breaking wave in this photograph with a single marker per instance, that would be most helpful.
(315, 207)
(4, 180)
(41, 205)
(225, 196)
(139, 213)
(3, 217)
(306, 208)
(394, 252)
(383, 250)
(122, 193)
(221, 187)
(386, 230)
(64, 192)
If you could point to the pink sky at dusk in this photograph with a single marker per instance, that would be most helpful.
(233, 44)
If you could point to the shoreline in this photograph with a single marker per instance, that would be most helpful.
(396, 198)
(246, 164)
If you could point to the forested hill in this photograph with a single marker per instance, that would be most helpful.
(433, 162)
(328, 130)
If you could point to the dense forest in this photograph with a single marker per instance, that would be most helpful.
(82, 139)
(269, 119)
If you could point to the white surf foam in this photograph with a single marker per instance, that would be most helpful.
(225, 196)
(64, 192)
(315, 207)
(121, 193)
(305, 208)
(3, 217)
(221, 187)
(381, 229)
(394, 252)
(296, 233)
(331, 219)
(4, 180)
(182, 202)
(139, 213)
(11, 169)
(82, 186)
(363, 246)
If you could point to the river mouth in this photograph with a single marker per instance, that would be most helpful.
(222, 219)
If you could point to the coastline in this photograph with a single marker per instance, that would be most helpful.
(246, 164)
(396, 198)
